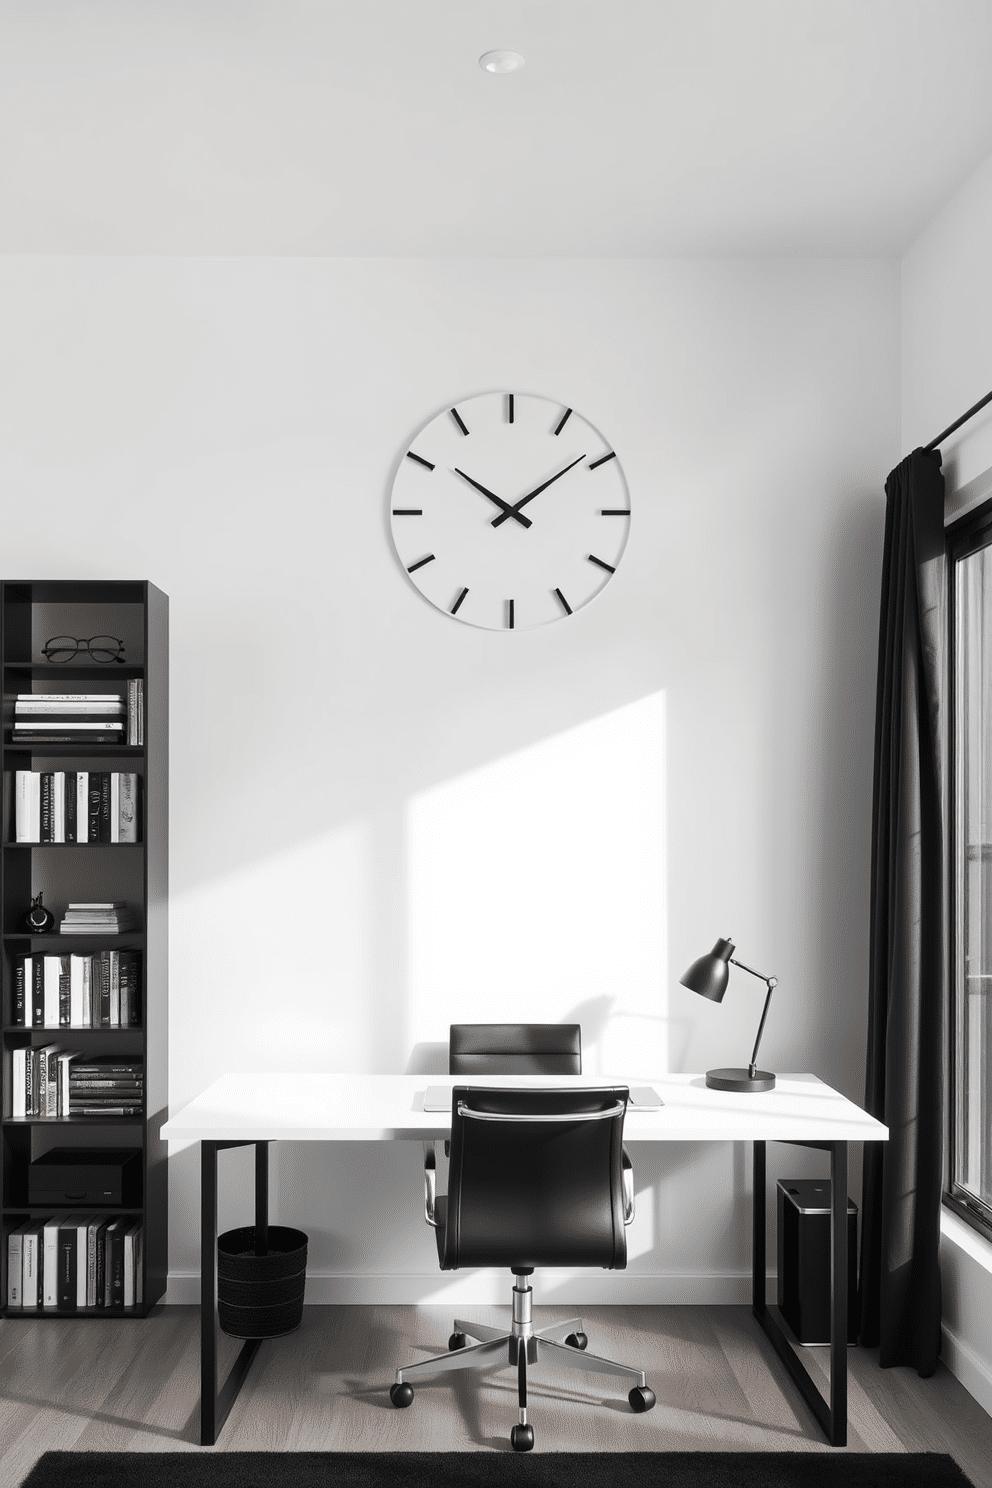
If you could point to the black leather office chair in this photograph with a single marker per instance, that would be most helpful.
(536, 1178)
(515, 1049)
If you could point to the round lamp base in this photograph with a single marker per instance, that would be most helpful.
(740, 1080)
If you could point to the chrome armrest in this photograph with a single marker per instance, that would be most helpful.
(430, 1184)
(628, 1187)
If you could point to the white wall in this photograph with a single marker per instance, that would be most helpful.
(947, 366)
(366, 795)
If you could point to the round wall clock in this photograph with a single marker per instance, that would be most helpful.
(509, 511)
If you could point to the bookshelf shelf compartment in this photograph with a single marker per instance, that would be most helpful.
(134, 874)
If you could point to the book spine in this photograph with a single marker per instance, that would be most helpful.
(46, 807)
(67, 1267)
(51, 965)
(100, 1258)
(82, 1225)
(30, 1081)
(104, 822)
(52, 1083)
(95, 791)
(65, 992)
(87, 980)
(50, 1266)
(18, 1011)
(141, 711)
(30, 1268)
(115, 988)
(115, 806)
(37, 991)
(139, 1266)
(58, 806)
(129, 819)
(18, 1084)
(116, 1262)
(76, 991)
(129, 1236)
(27, 817)
(70, 806)
(15, 1250)
(103, 960)
(82, 805)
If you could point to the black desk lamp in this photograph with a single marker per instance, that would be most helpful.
(709, 977)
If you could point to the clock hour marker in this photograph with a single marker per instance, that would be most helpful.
(563, 602)
(408, 511)
(458, 603)
(509, 614)
(430, 559)
(598, 561)
(595, 464)
(564, 420)
(615, 511)
(419, 459)
(458, 420)
(509, 408)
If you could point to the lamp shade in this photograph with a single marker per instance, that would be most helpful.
(709, 975)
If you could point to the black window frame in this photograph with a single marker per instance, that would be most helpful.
(968, 534)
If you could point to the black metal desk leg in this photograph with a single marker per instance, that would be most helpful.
(838, 1294)
(209, 1325)
(261, 1198)
(759, 1264)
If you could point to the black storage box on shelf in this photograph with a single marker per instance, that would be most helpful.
(804, 1259)
(86, 1175)
(261, 1296)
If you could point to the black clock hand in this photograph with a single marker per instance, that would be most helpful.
(506, 508)
(514, 511)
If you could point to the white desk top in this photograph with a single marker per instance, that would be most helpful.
(384, 1108)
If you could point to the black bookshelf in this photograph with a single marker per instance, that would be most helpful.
(135, 873)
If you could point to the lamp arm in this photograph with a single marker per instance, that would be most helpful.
(772, 983)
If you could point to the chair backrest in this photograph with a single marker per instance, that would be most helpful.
(535, 1178)
(515, 1049)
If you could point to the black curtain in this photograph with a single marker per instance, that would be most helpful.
(900, 1275)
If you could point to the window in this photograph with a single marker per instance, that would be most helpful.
(970, 1157)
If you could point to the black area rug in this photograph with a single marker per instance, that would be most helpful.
(495, 1470)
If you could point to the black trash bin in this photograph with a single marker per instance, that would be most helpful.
(261, 1296)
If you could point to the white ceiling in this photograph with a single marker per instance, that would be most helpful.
(637, 127)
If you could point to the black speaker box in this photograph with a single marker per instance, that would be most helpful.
(804, 1259)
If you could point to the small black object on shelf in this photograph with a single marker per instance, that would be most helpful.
(38, 920)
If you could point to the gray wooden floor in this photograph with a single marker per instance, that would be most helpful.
(132, 1386)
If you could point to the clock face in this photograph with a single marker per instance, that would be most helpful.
(509, 511)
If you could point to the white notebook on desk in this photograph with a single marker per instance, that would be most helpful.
(642, 1098)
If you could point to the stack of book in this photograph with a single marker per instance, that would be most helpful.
(80, 717)
(52, 1083)
(97, 991)
(106, 1085)
(77, 1262)
(106, 917)
(76, 806)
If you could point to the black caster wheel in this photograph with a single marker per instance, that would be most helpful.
(522, 1438)
(641, 1399)
(401, 1396)
(457, 1341)
(577, 1340)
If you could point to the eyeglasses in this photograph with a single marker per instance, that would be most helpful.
(102, 648)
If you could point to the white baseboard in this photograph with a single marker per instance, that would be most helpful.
(492, 1288)
(967, 1366)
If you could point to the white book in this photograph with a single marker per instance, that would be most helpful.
(58, 805)
(15, 1251)
(68, 697)
(115, 806)
(82, 806)
(18, 1092)
(63, 725)
(31, 1266)
(39, 706)
(76, 991)
(115, 989)
(141, 720)
(53, 968)
(86, 967)
(82, 1226)
(130, 1262)
(50, 1264)
(63, 1060)
(27, 792)
(98, 904)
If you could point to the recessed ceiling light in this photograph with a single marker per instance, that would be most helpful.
(501, 61)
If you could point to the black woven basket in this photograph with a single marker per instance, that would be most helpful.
(261, 1296)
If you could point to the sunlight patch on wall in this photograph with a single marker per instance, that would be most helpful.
(537, 892)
